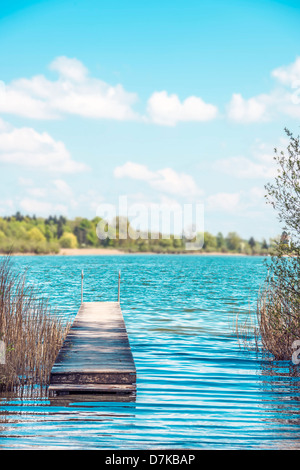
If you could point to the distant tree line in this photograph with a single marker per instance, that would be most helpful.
(31, 234)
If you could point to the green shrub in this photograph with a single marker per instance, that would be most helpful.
(68, 240)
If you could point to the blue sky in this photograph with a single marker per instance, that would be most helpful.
(165, 102)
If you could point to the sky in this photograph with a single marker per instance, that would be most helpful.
(164, 102)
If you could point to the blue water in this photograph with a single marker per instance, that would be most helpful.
(196, 389)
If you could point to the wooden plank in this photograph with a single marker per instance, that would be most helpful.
(92, 388)
(66, 398)
(96, 352)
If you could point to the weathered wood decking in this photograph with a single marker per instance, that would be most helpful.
(96, 355)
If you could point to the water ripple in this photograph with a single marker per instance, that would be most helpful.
(195, 387)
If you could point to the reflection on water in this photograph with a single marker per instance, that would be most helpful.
(281, 385)
(195, 387)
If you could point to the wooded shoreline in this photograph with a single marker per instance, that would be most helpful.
(58, 235)
(112, 252)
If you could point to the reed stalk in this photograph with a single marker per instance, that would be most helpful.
(274, 327)
(31, 332)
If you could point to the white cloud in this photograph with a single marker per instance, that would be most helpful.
(56, 197)
(257, 194)
(7, 206)
(74, 92)
(165, 180)
(37, 192)
(288, 75)
(168, 180)
(26, 147)
(225, 202)
(4, 126)
(69, 68)
(56, 190)
(42, 208)
(242, 167)
(243, 203)
(284, 98)
(261, 165)
(62, 188)
(25, 181)
(168, 110)
(16, 99)
(251, 110)
(134, 171)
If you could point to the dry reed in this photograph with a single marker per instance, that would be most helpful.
(31, 333)
(275, 326)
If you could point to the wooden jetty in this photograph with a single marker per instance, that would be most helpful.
(96, 356)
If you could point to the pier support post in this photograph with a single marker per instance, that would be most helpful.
(119, 286)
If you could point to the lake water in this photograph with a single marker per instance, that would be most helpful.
(196, 389)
